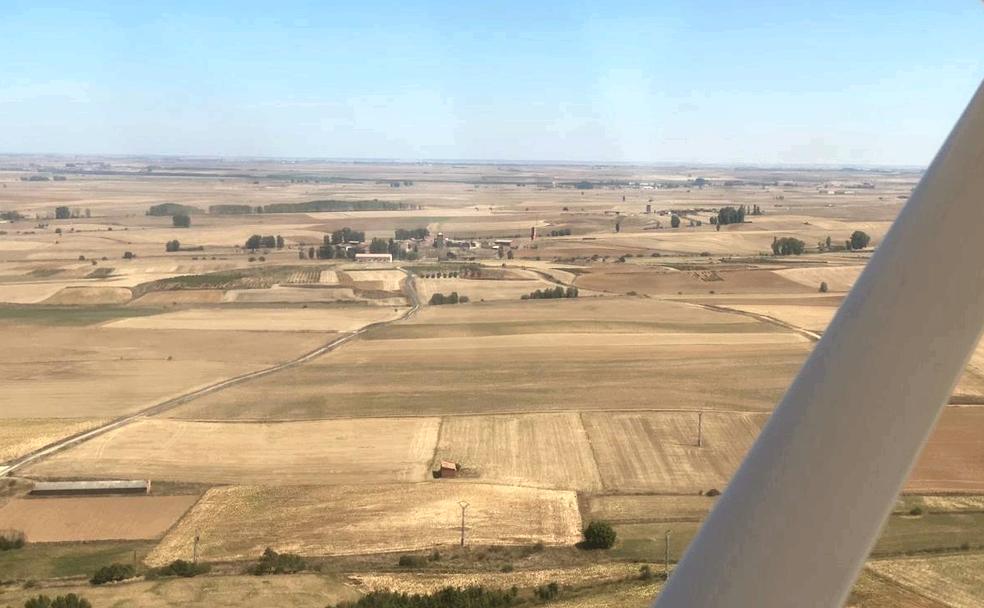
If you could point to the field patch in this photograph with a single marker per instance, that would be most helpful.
(953, 458)
(20, 436)
(238, 522)
(837, 278)
(382, 280)
(814, 318)
(635, 508)
(264, 319)
(954, 580)
(180, 296)
(89, 296)
(335, 451)
(478, 290)
(540, 450)
(657, 451)
(73, 519)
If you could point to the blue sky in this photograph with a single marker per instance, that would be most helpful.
(874, 82)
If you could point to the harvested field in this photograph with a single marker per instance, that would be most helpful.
(875, 591)
(657, 451)
(337, 452)
(644, 542)
(953, 458)
(89, 296)
(19, 436)
(264, 319)
(63, 372)
(29, 293)
(428, 583)
(180, 296)
(953, 503)
(277, 294)
(523, 373)
(668, 281)
(813, 318)
(285, 591)
(478, 290)
(838, 278)
(539, 450)
(649, 508)
(954, 580)
(930, 532)
(383, 280)
(626, 595)
(74, 519)
(328, 277)
(341, 520)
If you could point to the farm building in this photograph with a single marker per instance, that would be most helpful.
(81, 488)
(448, 470)
(373, 257)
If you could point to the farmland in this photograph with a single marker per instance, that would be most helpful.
(557, 411)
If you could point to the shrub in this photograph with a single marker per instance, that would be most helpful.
(507, 568)
(412, 561)
(599, 535)
(180, 567)
(712, 492)
(547, 592)
(272, 562)
(645, 572)
(11, 539)
(859, 239)
(917, 511)
(823, 287)
(181, 220)
(435, 556)
(449, 597)
(113, 573)
(128, 255)
(62, 601)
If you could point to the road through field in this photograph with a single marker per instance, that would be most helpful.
(164, 406)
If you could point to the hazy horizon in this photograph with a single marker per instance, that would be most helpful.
(729, 84)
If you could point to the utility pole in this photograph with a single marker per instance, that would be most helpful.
(700, 429)
(666, 555)
(464, 505)
(194, 554)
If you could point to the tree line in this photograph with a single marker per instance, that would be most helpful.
(549, 294)
(439, 299)
(264, 242)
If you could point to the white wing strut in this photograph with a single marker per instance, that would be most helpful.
(804, 509)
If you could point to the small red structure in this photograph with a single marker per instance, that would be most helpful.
(449, 470)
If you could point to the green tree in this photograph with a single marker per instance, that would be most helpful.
(113, 573)
(859, 239)
(62, 601)
(280, 242)
(62, 213)
(172, 246)
(823, 287)
(674, 221)
(599, 535)
(181, 220)
(254, 242)
(378, 246)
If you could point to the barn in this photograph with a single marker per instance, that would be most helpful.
(448, 470)
(90, 488)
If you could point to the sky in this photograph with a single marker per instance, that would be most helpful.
(716, 82)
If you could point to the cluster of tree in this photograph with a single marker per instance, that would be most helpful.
(346, 235)
(165, 209)
(599, 535)
(452, 298)
(35, 178)
(756, 210)
(414, 233)
(858, 240)
(561, 232)
(272, 562)
(393, 248)
(674, 221)
(788, 245)
(729, 215)
(129, 255)
(10, 216)
(70, 600)
(62, 213)
(449, 597)
(230, 209)
(113, 573)
(180, 567)
(11, 539)
(181, 220)
(549, 294)
(172, 246)
(264, 242)
(443, 275)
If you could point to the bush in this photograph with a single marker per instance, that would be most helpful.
(645, 572)
(823, 287)
(712, 492)
(272, 562)
(435, 556)
(917, 511)
(62, 601)
(507, 568)
(547, 592)
(113, 573)
(859, 239)
(11, 539)
(449, 597)
(128, 255)
(412, 561)
(181, 220)
(599, 535)
(788, 245)
(180, 567)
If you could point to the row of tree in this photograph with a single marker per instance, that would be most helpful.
(264, 242)
(561, 232)
(64, 213)
(549, 294)
(439, 299)
(413, 233)
(788, 245)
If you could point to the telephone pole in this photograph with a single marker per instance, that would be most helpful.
(194, 551)
(464, 505)
(666, 555)
(700, 429)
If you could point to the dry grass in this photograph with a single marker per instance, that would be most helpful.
(336, 451)
(838, 278)
(19, 436)
(643, 508)
(953, 458)
(657, 452)
(72, 519)
(239, 522)
(88, 296)
(264, 319)
(954, 580)
(478, 290)
(541, 450)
